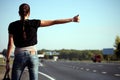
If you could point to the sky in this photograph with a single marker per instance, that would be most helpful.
(99, 23)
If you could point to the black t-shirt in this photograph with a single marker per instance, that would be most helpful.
(30, 28)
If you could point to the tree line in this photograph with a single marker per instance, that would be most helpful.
(72, 54)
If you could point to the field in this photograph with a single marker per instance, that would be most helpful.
(2, 68)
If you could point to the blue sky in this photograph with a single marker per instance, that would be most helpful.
(98, 27)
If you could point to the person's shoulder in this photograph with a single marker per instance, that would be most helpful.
(34, 22)
(14, 22)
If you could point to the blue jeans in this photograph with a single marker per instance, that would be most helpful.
(22, 60)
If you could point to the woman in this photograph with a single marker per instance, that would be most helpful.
(23, 34)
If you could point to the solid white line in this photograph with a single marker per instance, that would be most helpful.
(41, 64)
(49, 77)
(46, 75)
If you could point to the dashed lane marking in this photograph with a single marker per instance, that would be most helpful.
(104, 72)
(94, 70)
(118, 75)
(87, 69)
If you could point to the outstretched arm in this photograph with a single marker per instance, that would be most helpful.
(45, 23)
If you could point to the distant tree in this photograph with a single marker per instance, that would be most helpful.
(117, 46)
(64, 54)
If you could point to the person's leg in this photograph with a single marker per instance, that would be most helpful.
(18, 66)
(33, 67)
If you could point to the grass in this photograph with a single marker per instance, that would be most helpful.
(2, 61)
(2, 67)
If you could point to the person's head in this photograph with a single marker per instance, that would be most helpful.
(24, 10)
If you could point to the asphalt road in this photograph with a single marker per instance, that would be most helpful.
(66, 70)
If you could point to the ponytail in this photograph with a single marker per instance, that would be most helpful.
(24, 10)
(24, 33)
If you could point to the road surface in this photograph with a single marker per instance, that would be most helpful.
(67, 70)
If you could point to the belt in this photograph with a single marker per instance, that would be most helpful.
(33, 52)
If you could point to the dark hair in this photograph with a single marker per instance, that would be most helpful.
(24, 9)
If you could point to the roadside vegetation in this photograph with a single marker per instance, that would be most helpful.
(72, 54)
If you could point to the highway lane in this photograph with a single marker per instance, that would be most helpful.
(105, 68)
(66, 70)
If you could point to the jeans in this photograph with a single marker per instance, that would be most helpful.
(22, 60)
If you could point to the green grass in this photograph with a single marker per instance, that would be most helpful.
(2, 61)
(2, 68)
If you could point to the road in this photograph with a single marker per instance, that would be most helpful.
(67, 70)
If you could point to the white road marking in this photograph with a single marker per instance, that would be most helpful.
(49, 77)
(94, 70)
(104, 72)
(100, 65)
(118, 75)
(87, 69)
(82, 68)
(41, 64)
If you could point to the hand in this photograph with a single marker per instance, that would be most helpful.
(76, 18)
